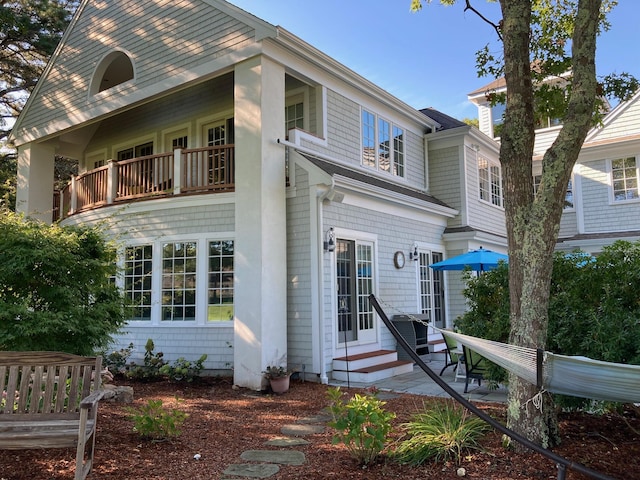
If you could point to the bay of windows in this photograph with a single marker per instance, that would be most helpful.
(383, 145)
(180, 281)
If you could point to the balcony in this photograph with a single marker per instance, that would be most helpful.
(181, 172)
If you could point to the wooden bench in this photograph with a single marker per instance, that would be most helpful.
(50, 400)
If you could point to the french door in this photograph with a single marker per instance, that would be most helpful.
(354, 282)
(432, 288)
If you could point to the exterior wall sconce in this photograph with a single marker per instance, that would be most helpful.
(413, 255)
(330, 240)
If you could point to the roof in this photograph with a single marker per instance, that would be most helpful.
(334, 169)
(446, 122)
(494, 85)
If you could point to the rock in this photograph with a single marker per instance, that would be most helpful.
(118, 394)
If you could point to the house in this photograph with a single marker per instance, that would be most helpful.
(602, 202)
(259, 190)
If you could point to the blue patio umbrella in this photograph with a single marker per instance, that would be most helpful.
(478, 260)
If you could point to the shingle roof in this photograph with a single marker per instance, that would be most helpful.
(443, 119)
(335, 169)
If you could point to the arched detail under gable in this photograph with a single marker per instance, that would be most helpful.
(115, 68)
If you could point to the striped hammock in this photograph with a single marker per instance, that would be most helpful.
(567, 375)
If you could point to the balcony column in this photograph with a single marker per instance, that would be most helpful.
(260, 297)
(73, 194)
(177, 170)
(34, 196)
(112, 182)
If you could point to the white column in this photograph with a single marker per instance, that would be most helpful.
(34, 196)
(177, 170)
(260, 298)
(112, 182)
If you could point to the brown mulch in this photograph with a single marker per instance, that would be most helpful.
(223, 422)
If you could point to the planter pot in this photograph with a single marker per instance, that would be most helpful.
(280, 384)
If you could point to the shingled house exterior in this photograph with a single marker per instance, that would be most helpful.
(259, 190)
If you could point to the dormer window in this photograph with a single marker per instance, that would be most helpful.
(114, 69)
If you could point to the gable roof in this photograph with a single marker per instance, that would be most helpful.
(446, 121)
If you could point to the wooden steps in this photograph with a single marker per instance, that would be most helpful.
(370, 367)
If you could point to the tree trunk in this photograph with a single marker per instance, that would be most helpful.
(532, 221)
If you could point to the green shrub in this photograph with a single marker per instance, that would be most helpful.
(362, 424)
(441, 433)
(56, 287)
(153, 363)
(156, 422)
(183, 370)
(116, 360)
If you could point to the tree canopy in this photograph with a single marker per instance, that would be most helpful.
(56, 287)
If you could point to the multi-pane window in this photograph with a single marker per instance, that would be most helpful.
(490, 181)
(179, 281)
(138, 272)
(624, 177)
(220, 288)
(383, 144)
(135, 152)
(294, 116)
(365, 286)
(179, 142)
(568, 197)
(431, 288)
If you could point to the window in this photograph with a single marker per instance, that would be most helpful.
(497, 118)
(490, 181)
(294, 116)
(382, 144)
(134, 152)
(114, 69)
(568, 197)
(624, 178)
(220, 289)
(179, 281)
(137, 281)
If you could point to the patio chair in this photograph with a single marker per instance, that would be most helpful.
(452, 354)
(476, 366)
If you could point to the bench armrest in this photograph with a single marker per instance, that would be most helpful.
(92, 400)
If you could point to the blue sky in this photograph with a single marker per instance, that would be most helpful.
(427, 59)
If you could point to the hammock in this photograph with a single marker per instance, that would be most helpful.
(567, 375)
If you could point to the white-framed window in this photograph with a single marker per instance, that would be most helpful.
(294, 116)
(138, 272)
(220, 291)
(490, 181)
(383, 144)
(141, 150)
(179, 262)
(624, 179)
(431, 287)
(568, 196)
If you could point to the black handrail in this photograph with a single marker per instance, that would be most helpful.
(561, 462)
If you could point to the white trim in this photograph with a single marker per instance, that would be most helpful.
(101, 68)
(135, 142)
(609, 163)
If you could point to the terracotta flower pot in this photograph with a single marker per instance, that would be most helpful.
(279, 384)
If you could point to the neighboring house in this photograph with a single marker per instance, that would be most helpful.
(259, 190)
(603, 196)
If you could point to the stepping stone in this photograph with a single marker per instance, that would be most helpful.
(301, 430)
(283, 457)
(252, 470)
(287, 442)
(319, 418)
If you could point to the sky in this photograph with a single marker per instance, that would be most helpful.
(426, 59)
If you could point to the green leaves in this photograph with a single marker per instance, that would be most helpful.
(56, 287)
(156, 422)
(362, 424)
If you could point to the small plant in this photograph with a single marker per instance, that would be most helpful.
(441, 433)
(152, 364)
(116, 361)
(362, 423)
(183, 370)
(273, 371)
(156, 422)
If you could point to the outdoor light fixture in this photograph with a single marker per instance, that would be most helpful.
(330, 240)
(413, 255)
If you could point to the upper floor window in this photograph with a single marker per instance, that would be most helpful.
(134, 152)
(497, 118)
(294, 116)
(568, 196)
(383, 144)
(490, 181)
(624, 179)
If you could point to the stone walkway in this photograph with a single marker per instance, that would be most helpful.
(267, 462)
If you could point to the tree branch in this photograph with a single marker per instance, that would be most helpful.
(497, 28)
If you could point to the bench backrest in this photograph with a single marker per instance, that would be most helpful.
(45, 383)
